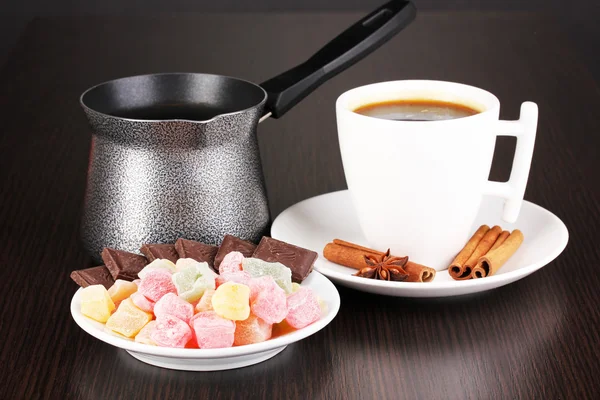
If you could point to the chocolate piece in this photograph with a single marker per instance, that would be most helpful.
(93, 276)
(298, 259)
(122, 264)
(231, 243)
(198, 251)
(154, 251)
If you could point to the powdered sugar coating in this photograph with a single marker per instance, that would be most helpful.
(142, 302)
(232, 262)
(303, 308)
(282, 274)
(267, 300)
(156, 284)
(170, 331)
(212, 331)
(238, 277)
(171, 304)
(161, 264)
(193, 280)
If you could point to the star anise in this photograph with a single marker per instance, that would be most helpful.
(388, 268)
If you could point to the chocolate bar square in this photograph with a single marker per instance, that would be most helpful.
(298, 259)
(231, 243)
(122, 264)
(198, 251)
(154, 251)
(93, 276)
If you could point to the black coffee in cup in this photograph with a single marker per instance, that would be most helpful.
(416, 110)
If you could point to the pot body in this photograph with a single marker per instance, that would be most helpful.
(154, 181)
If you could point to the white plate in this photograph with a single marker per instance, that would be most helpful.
(215, 359)
(315, 222)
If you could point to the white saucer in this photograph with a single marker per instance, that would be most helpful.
(315, 222)
(215, 359)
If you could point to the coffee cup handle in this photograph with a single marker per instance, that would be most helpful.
(513, 190)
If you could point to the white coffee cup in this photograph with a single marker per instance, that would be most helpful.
(417, 185)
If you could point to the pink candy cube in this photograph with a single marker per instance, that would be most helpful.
(238, 277)
(171, 304)
(259, 284)
(212, 331)
(142, 302)
(267, 300)
(232, 262)
(252, 330)
(170, 331)
(303, 308)
(156, 284)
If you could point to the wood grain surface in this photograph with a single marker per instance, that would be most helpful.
(537, 338)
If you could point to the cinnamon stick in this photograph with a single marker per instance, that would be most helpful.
(357, 247)
(490, 263)
(457, 268)
(347, 256)
(353, 255)
(486, 243)
(501, 238)
(418, 273)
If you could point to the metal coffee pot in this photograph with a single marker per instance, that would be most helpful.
(176, 155)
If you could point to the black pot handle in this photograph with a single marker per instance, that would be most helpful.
(352, 45)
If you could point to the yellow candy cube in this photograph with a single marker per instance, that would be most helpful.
(128, 320)
(232, 301)
(113, 333)
(121, 290)
(144, 335)
(96, 303)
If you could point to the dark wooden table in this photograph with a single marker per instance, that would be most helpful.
(537, 338)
